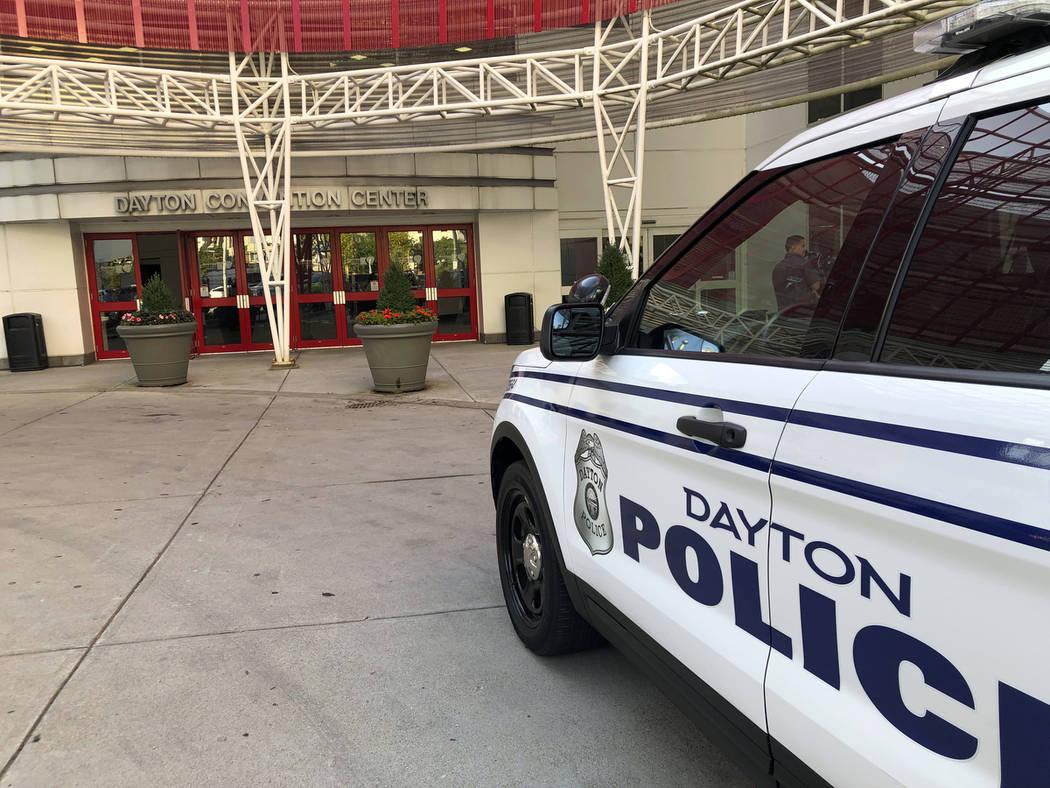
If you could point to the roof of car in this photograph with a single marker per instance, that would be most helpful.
(918, 108)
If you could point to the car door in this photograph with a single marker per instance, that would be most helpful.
(912, 495)
(669, 442)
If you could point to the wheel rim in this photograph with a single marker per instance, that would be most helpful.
(523, 559)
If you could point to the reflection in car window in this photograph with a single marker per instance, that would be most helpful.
(977, 291)
(576, 330)
(756, 281)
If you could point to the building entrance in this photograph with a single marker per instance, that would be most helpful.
(338, 275)
(228, 295)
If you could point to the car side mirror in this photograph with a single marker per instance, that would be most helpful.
(572, 332)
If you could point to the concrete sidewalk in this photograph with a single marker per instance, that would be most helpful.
(281, 577)
(459, 373)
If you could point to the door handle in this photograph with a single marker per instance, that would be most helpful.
(732, 436)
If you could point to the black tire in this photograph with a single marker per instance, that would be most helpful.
(540, 608)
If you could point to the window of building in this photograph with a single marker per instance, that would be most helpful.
(829, 106)
(977, 291)
(579, 257)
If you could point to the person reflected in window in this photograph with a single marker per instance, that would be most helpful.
(795, 280)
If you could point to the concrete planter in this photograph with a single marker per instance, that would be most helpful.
(160, 354)
(397, 354)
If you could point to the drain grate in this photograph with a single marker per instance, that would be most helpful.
(362, 405)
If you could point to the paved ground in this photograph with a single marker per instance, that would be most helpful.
(282, 578)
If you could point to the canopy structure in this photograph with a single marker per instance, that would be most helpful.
(614, 78)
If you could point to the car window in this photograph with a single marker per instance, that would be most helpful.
(759, 281)
(977, 290)
(927, 150)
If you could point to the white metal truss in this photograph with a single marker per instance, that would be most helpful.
(258, 103)
(739, 39)
(622, 171)
(264, 141)
(96, 92)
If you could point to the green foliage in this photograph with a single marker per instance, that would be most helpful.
(357, 249)
(157, 296)
(396, 293)
(615, 267)
(404, 245)
(158, 307)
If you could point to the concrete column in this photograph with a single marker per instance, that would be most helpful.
(518, 252)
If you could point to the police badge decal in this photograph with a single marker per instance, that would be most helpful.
(590, 510)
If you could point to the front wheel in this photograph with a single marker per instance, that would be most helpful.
(533, 587)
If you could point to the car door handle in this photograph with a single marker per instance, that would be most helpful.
(732, 436)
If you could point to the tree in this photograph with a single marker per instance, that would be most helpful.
(357, 249)
(615, 267)
(396, 293)
(157, 297)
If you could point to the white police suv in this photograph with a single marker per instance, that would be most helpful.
(801, 471)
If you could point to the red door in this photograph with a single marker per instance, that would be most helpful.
(255, 324)
(453, 294)
(407, 246)
(358, 268)
(439, 261)
(228, 297)
(116, 284)
(316, 285)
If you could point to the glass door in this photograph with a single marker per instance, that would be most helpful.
(255, 325)
(405, 246)
(657, 242)
(218, 302)
(229, 301)
(117, 284)
(359, 283)
(315, 318)
(452, 293)
(439, 262)
(336, 274)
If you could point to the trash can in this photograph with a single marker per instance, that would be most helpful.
(24, 335)
(518, 309)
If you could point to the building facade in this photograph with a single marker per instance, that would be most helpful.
(80, 235)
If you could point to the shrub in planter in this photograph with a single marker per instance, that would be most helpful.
(159, 336)
(615, 267)
(396, 336)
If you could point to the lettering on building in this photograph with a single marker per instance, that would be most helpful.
(159, 202)
(388, 198)
(308, 199)
(317, 199)
(225, 201)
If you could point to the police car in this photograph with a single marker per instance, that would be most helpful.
(820, 518)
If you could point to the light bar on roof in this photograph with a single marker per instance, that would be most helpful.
(979, 25)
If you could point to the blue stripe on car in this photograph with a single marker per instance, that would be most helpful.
(967, 445)
(682, 398)
(670, 439)
(999, 527)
